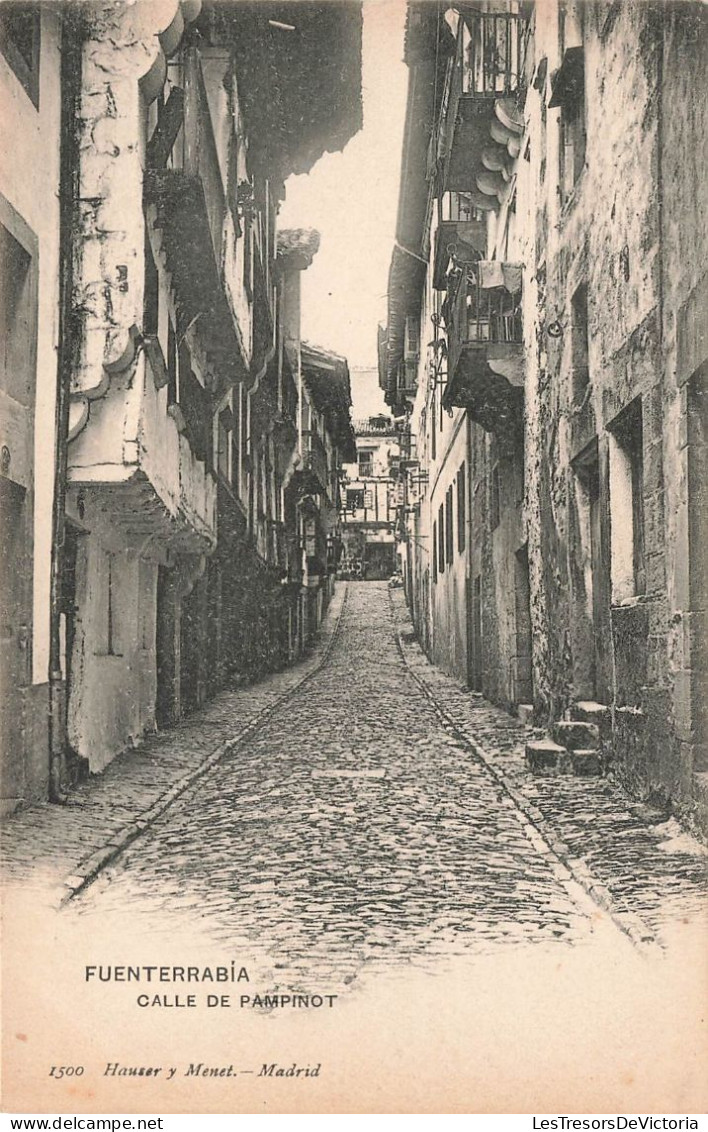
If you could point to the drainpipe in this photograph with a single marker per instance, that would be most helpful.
(70, 91)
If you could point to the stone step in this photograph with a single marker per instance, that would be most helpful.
(576, 736)
(543, 756)
(587, 711)
(525, 713)
(586, 764)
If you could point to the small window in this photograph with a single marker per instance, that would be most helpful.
(365, 458)
(355, 499)
(441, 539)
(449, 532)
(412, 336)
(18, 315)
(579, 343)
(433, 429)
(569, 95)
(434, 554)
(248, 257)
(461, 508)
(20, 43)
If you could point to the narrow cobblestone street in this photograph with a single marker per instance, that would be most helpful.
(352, 827)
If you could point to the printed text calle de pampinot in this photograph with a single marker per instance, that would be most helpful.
(185, 987)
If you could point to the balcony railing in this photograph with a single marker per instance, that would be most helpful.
(488, 313)
(494, 55)
(485, 114)
(485, 343)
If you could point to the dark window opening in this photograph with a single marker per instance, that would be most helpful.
(579, 343)
(572, 147)
(355, 499)
(434, 554)
(461, 508)
(569, 95)
(441, 539)
(18, 310)
(20, 43)
(433, 422)
(449, 533)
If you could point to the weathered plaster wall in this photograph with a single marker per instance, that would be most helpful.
(29, 183)
(113, 669)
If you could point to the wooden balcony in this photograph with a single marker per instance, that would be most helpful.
(485, 110)
(185, 189)
(145, 462)
(316, 460)
(485, 345)
(466, 240)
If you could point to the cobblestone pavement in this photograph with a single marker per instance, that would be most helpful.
(350, 829)
(648, 865)
(44, 845)
(357, 825)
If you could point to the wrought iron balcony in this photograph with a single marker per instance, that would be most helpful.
(485, 344)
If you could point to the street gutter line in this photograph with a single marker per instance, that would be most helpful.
(89, 868)
(570, 871)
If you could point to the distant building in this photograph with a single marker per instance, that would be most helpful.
(370, 501)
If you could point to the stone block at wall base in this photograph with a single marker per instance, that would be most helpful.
(588, 711)
(543, 756)
(576, 735)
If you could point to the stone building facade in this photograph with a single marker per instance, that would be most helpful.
(551, 256)
(370, 501)
(30, 128)
(175, 562)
